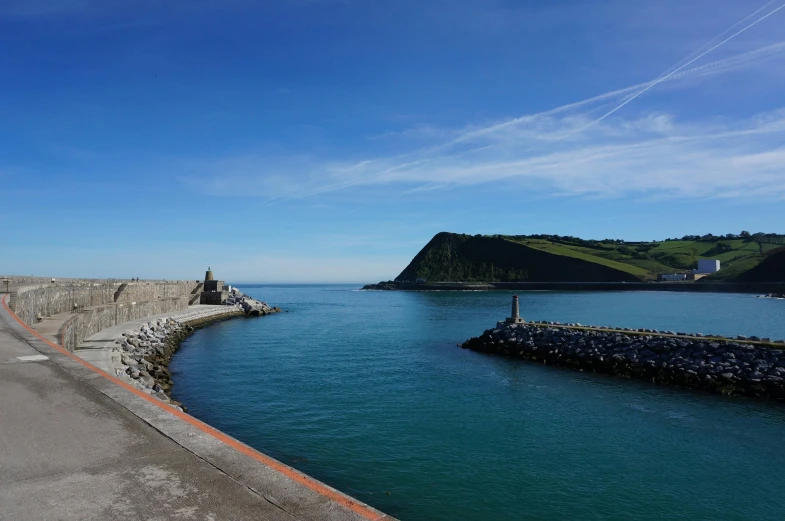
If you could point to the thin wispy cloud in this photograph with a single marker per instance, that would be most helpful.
(659, 80)
(556, 151)
(331, 138)
(724, 65)
(654, 153)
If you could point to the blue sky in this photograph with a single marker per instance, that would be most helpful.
(321, 140)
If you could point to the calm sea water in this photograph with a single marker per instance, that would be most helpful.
(368, 392)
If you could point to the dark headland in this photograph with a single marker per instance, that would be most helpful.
(747, 263)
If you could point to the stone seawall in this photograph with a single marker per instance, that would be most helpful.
(51, 299)
(68, 335)
(138, 292)
(740, 366)
(97, 304)
(97, 319)
(24, 280)
(47, 300)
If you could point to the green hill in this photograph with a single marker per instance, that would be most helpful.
(451, 257)
(771, 269)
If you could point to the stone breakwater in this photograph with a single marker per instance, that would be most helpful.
(733, 366)
(249, 306)
(145, 352)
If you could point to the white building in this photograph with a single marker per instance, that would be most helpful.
(672, 277)
(708, 266)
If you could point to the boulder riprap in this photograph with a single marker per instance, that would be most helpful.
(742, 366)
(250, 306)
(145, 352)
(382, 286)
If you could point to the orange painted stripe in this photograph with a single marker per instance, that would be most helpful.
(340, 498)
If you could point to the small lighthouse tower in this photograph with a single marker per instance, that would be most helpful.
(515, 315)
(214, 292)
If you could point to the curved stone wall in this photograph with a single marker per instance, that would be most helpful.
(98, 304)
(24, 280)
(67, 297)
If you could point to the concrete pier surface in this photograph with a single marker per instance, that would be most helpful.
(78, 444)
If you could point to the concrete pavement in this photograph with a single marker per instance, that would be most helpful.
(77, 444)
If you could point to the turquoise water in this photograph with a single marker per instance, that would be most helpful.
(368, 392)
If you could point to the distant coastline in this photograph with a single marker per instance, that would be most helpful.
(521, 261)
(761, 288)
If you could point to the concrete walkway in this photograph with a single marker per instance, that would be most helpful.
(78, 444)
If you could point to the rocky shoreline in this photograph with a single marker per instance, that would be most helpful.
(773, 295)
(382, 286)
(145, 352)
(748, 366)
(251, 307)
(434, 286)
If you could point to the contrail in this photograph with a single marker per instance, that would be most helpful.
(663, 78)
(731, 61)
(723, 33)
(717, 37)
(715, 66)
(678, 73)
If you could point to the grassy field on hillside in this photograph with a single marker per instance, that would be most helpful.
(451, 257)
(647, 259)
(560, 249)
